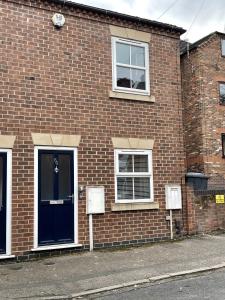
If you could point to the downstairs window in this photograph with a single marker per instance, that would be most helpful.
(133, 176)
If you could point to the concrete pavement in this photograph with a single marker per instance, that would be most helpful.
(64, 276)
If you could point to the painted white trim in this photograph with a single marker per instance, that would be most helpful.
(35, 197)
(36, 247)
(8, 202)
(146, 68)
(75, 167)
(55, 247)
(130, 174)
(4, 256)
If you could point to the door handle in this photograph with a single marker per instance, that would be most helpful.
(71, 197)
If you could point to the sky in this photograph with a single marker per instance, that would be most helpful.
(198, 17)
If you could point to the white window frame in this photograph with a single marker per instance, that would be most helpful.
(8, 204)
(115, 64)
(133, 174)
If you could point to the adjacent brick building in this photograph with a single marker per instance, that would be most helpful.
(203, 83)
(202, 68)
(68, 123)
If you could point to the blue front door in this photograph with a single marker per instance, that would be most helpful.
(55, 197)
(3, 179)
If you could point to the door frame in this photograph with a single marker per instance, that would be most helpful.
(8, 203)
(36, 151)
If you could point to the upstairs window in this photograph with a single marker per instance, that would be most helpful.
(130, 66)
(223, 145)
(222, 92)
(223, 47)
(133, 172)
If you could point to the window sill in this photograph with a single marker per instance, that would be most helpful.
(134, 206)
(129, 96)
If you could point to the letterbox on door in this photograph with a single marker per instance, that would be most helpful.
(173, 196)
(95, 199)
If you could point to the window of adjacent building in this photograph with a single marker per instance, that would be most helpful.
(223, 145)
(223, 47)
(222, 93)
(130, 66)
(134, 182)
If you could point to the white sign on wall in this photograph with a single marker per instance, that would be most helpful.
(173, 196)
(95, 199)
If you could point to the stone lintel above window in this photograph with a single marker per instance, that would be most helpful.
(131, 34)
(132, 143)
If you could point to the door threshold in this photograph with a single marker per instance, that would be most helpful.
(5, 256)
(55, 247)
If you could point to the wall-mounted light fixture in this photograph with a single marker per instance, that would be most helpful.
(58, 20)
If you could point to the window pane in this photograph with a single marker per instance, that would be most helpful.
(122, 53)
(138, 79)
(222, 93)
(138, 56)
(64, 176)
(140, 163)
(47, 173)
(125, 163)
(124, 188)
(223, 46)
(123, 77)
(141, 188)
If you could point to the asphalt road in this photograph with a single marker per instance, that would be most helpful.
(209, 286)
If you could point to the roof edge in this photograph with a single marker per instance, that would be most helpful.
(201, 41)
(120, 15)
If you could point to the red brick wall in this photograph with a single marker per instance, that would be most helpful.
(191, 72)
(204, 214)
(203, 116)
(57, 81)
(209, 215)
(189, 213)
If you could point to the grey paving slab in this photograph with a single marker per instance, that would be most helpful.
(69, 274)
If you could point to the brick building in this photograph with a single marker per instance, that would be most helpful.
(96, 102)
(203, 91)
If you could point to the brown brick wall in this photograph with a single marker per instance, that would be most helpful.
(57, 81)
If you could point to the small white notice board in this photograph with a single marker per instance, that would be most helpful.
(95, 199)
